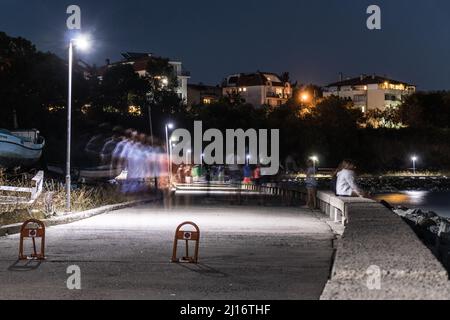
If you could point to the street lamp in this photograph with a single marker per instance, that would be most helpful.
(168, 126)
(414, 160)
(314, 159)
(304, 97)
(82, 43)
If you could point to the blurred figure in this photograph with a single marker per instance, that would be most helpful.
(311, 185)
(110, 145)
(94, 146)
(181, 178)
(150, 160)
(116, 160)
(188, 174)
(136, 164)
(160, 164)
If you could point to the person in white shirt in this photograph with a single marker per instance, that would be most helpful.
(346, 185)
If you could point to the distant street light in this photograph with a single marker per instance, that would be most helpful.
(414, 160)
(82, 43)
(169, 166)
(304, 97)
(315, 160)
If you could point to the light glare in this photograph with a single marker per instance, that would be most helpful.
(82, 42)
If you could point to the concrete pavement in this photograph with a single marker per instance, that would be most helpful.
(246, 252)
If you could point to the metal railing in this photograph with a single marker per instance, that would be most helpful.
(34, 191)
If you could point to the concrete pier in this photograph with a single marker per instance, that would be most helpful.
(380, 257)
(256, 243)
(246, 252)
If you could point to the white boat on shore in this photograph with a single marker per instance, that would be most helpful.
(20, 148)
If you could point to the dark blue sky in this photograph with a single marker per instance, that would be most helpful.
(313, 40)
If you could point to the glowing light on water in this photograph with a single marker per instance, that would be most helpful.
(417, 197)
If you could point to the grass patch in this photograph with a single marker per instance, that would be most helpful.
(53, 199)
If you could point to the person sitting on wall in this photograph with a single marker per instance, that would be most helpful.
(346, 185)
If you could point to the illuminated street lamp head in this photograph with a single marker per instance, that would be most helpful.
(82, 42)
(414, 158)
(170, 125)
(314, 158)
(304, 97)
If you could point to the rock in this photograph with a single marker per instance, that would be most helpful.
(430, 214)
(444, 228)
(425, 222)
(434, 229)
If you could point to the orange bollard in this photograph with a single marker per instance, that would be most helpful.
(186, 236)
(32, 229)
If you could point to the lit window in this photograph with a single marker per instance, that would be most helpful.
(134, 110)
(244, 89)
(206, 101)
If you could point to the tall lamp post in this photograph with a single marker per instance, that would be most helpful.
(414, 160)
(81, 43)
(168, 126)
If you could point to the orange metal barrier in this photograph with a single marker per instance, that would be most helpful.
(32, 229)
(186, 236)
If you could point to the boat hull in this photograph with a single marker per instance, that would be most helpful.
(88, 174)
(16, 151)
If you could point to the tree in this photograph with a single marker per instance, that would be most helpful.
(336, 112)
(120, 88)
(162, 84)
(422, 110)
(32, 83)
(389, 118)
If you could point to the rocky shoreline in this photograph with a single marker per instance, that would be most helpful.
(386, 184)
(432, 229)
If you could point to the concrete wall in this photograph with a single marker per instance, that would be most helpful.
(379, 256)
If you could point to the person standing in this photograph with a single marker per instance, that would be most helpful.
(247, 174)
(257, 175)
(311, 185)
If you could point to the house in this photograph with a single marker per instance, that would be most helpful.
(203, 94)
(259, 88)
(371, 92)
(139, 62)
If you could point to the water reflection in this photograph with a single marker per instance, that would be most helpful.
(438, 202)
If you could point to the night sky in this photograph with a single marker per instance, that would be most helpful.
(313, 40)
